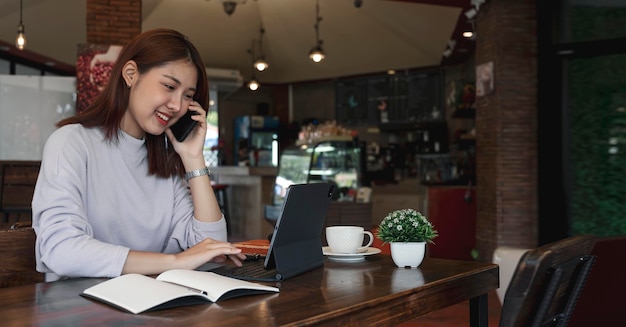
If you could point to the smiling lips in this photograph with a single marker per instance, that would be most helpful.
(162, 118)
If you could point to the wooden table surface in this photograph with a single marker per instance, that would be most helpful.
(369, 293)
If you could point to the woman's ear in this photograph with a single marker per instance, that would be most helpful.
(129, 72)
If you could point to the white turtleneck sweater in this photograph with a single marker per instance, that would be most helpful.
(94, 201)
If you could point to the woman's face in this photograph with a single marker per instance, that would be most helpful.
(159, 98)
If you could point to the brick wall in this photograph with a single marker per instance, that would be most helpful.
(506, 126)
(113, 21)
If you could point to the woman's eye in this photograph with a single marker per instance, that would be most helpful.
(189, 96)
(169, 87)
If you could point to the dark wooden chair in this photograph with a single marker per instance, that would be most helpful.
(547, 283)
(17, 263)
(17, 184)
(221, 194)
(603, 296)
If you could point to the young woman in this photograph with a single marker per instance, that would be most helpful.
(117, 193)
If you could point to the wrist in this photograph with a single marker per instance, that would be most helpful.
(193, 163)
(197, 173)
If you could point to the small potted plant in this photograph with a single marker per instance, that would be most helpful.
(407, 231)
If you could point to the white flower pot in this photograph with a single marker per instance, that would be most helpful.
(408, 254)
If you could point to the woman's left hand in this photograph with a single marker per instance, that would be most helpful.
(193, 145)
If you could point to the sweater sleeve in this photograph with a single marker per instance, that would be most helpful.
(65, 244)
(189, 231)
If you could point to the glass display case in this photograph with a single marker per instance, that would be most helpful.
(336, 160)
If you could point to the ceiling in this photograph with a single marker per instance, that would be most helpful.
(380, 35)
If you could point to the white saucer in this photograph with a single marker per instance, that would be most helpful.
(349, 257)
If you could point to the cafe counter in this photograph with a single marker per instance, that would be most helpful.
(249, 189)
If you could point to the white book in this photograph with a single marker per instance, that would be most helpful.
(137, 293)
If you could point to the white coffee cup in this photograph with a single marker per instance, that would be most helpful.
(347, 239)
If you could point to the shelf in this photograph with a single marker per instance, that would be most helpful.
(404, 126)
(342, 138)
(434, 155)
(322, 172)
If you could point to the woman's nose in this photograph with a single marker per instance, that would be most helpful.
(175, 104)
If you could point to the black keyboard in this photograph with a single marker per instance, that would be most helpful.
(252, 269)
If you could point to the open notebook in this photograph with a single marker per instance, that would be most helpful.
(296, 245)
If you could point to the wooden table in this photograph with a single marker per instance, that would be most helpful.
(370, 293)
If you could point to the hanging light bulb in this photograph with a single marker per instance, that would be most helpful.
(229, 7)
(20, 41)
(253, 85)
(260, 64)
(317, 53)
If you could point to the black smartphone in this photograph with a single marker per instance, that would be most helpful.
(184, 126)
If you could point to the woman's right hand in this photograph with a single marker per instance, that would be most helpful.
(210, 250)
(152, 263)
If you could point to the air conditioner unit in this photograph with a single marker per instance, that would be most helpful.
(224, 80)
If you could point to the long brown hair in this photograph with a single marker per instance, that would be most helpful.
(150, 49)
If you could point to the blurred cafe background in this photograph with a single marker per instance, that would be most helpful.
(501, 120)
